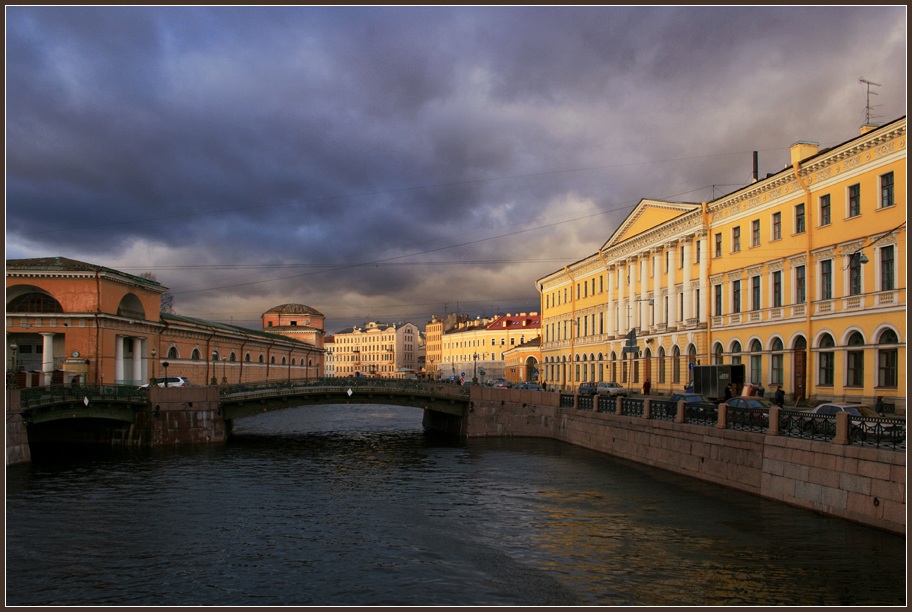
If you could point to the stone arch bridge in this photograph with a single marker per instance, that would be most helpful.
(150, 417)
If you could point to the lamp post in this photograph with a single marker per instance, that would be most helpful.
(214, 380)
(165, 365)
(153, 364)
(475, 369)
(13, 383)
(631, 346)
(224, 368)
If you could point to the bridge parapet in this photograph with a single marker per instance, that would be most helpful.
(341, 385)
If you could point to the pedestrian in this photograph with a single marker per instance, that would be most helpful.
(779, 397)
(879, 405)
(728, 393)
(544, 386)
(646, 387)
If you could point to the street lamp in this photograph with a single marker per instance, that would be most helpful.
(153, 364)
(475, 370)
(165, 365)
(224, 375)
(214, 380)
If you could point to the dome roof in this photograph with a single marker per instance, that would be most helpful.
(294, 309)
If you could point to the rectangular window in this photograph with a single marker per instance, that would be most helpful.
(887, 367)
(736, 296)
(886, 190)
(719, 244)
(887, 282)
(825, 209)
(698, 251)
(681, 265)
(755, 232)
(799, 219)
(800, 289)
(736, 239)
(718, 295)
(855, 274)
(827, 366)
(755, 293)
(854, 368)
(777, 226)
(777, 288)
(854, 200)
(826, 279)
(776, 368)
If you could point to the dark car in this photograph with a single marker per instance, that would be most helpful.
(750, 406)
(587, 389)
(529, 386)
(864, 422)
(689, 398)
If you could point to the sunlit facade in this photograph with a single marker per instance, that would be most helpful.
(379, 350)
(799, 276)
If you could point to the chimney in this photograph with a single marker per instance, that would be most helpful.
(868, 127)
(802, 150)
(756, 166)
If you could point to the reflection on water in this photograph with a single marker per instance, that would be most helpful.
(355, 505)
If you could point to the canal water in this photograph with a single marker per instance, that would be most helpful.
(356, 506)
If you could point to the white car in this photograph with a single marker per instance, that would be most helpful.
(867, 424)
(170, 381)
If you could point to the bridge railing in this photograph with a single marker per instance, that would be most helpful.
(263, 388)
(51, 394)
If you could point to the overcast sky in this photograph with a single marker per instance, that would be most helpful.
(391, 163)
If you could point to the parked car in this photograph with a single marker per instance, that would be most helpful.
(502, 384)
(868, 424)
(529, 386)
(586, 389)
(610, 389)
(751, 404)
(689, 398)
(172, 381)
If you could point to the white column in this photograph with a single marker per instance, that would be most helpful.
(644, 292)
(704, 279)
(118, 359)
(47, 357)
(672, 280)
(612, 304)
(621, 302)
(138, 344)
(657, 285)
(688, 294)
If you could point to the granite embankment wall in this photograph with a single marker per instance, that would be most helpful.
(866, 485)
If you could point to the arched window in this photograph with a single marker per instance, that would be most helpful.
(232, 357)
(247, 357)
(195, 355)
(756, 362)
(776, 362)
(736, 353)
(172, 353)
(826, 361)
(34, 302)
(614, 372)
(661, 364)
(887, 359)
(717, 353)
(675, 365)
(855, 361)
(261, 360)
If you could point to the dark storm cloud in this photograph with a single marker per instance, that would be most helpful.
(389, 162)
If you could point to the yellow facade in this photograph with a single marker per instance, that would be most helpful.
(769, 276)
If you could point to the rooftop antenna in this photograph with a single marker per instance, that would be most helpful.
(869, 115)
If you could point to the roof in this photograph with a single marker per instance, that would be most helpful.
(65, 264)
(517, 321)
(228, 328)
(294, 309)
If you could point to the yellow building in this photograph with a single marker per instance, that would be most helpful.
(799, 276)
(377, 349)
(478, 348)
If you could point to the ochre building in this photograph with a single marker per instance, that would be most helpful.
(799, 276)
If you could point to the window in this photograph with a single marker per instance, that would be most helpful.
(717, 354)
(799, 219)
(755, 232)
(777, 289)
(855, 361)
(826, 279)
(755, 293)
(676, 365)
(887, 282)
(718, 300)
(661, 364)
(736, 239)
(886, 190)
(887, 360)
(736, 353)
(825, 209)
(777, 226)
(855, 274)
(719, 244)
(826, 361)
(854, 200)
(697, 247)
(800, 289)
(756, 362)
(736, 296)
(776, 361)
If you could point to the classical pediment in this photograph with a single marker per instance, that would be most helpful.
(646, 215)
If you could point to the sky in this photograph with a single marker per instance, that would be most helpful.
(394, 163)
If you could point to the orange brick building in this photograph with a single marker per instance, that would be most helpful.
(66, 320)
